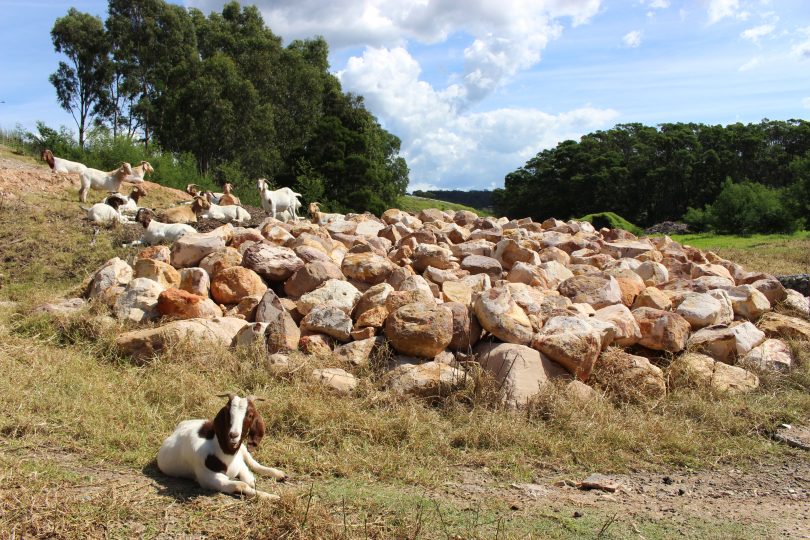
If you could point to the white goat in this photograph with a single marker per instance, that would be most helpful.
(228, 214)
(194, 190)
(278, 200)
(155, 232)
(105, 181)
(323, 218)
(228, 198)
(129, 205)
(106, 213)
(60, 165)
(140, 171)
(213, 452)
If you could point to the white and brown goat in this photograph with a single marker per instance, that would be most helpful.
(61, 165)
(140, 171)
(215, 452)
(155, 232)
(129, 205)
(104, 181)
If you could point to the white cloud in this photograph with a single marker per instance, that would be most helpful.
(720, 9)
(751, 64)
(802, 50)
(806, 103)
(445, 145)
(756, 33)
(658, 4)
(632, 39)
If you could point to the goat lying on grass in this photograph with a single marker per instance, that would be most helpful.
(129, 205)
(213, 451)
(155, 232)
(228, 214)
(196, 191)
(104, 181)
(61, 165)
(184, 213)
(106, 213)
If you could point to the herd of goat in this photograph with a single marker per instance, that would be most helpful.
(215, 452)
(171, 223)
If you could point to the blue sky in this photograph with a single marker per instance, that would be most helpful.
(475, 88)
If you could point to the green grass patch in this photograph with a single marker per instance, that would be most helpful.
(611, 220)
(410, 203)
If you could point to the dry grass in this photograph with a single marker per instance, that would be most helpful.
(365, 466)
(777, 254)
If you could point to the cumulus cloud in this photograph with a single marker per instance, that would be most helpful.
(720, 9)
(751, 64)
(632, 39)
(756, 33)
(658, 4)
(445, 145)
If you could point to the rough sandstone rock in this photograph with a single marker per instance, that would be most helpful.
(627, 331)
(699, 310)
(220, 260)
(180, 304)
(661, 330)
(114, 273)
(777, 325)
(335, 292)
(195, 280)
(480, 264)
(725, 344)
(748, 302)
(311, 276)
(520, 371)
(162, 272)
(571, 342)
(466, 328)
(234, 283)
(770, 355)
(653, 297)
(500, 315)
(428, 380)
(631, 378)
(367, 267)
(420, 329)
(158, 253)
(142, 345)
(596, 290)
(337, 379)
(329, 320)
(274, 263)
(139, 301)
(250, 334)
(190, 249)
(282, 334)
(696, 369)
(358, 353)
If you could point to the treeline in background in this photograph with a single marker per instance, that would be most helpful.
(730, 179)
(221, 93)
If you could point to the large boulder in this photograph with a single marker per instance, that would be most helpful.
(699, 309)
(366, 267)
(220, 260)
(797, 302)
(501, 316)
(725, 344)
(373, 297)
(571, 342)
(778, 325)
(195, 280)
(420, 329)
(770, 355)
(457, 291)
(190, 249)
(274, 263)
(653, 297)
(180, 304)
(114, 273)
(310, 276)
(428, 380)
(661, 330)
(281, 333)
(521, 372)
(142, 345)
(653, 273)
(508, 252)
(335, 292)
(696, 369)
(162, 272)
(337, 379)
(250, 334)
(466, 329)
(139, 301)
(329, 320)
(748, 302)
(234, 283)
(597, 290)
(480, 264)
(627, 331)
(627, 377)
(358, 353)
(431, 255)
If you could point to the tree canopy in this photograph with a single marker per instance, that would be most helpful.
(224, 88)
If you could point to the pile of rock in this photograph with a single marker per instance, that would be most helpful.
(531, 302)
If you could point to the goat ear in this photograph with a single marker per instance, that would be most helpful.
(257, 429)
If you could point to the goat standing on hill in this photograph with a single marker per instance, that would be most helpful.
(140, 171)
(104, 181)
(214, 453)
(60, 165)
(278, 200)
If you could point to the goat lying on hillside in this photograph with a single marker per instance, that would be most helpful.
(140, 171)
(228, 214)
(278, 200)
(104, 181)
(194, 190)
(228, 198)
(322, 218)
(60, 165)
(106, 213)
(129, 205)
(213, 451)
(155, 232)
(184, 213)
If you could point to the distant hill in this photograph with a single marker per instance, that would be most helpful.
(412, 203)
(476, 198)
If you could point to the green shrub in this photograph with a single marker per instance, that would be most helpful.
(745, 208)
(611, 220)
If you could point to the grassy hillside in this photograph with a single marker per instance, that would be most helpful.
(410, 203)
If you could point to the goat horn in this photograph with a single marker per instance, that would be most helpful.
(256, 398)
(229, 395)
